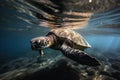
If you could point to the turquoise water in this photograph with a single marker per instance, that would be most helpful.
(18, 28)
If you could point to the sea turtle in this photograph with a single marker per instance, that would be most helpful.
(71, 43)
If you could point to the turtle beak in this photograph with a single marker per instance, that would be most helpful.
(34, 45)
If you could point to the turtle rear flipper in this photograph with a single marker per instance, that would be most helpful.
(79, 56)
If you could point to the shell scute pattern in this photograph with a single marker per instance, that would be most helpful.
(71, 35)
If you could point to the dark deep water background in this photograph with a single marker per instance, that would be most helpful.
(102, 32)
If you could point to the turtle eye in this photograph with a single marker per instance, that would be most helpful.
(35, 42)
(38, 42)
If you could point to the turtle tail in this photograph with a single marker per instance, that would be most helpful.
(79, 56)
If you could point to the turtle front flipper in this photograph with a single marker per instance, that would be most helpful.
(79, 56)
(40, 57)
(41, 53)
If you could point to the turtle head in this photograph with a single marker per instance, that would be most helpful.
(40, 43)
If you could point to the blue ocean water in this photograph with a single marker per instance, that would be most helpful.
(15, 33)
(102, 33)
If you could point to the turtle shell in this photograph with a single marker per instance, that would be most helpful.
(72, 37)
